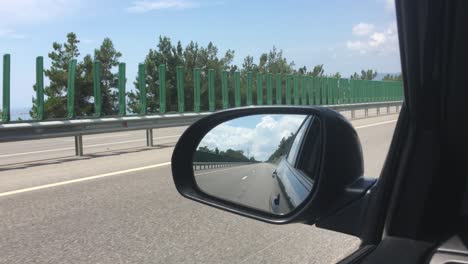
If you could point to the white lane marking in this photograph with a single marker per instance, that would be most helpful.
(82, 179)
(85, 146)
(245, 177)
(88, 137)
(376, 124)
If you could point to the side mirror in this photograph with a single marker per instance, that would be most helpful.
(274, 164)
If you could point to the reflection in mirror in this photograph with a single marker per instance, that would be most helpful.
(258, 161)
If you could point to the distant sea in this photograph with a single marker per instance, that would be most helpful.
(20, 113)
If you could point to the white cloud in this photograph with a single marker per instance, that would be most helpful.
(25, 12)
(147, 6)
(378, 42)
(363, 29)
(390, 5)
(377, 39)
(260, 141)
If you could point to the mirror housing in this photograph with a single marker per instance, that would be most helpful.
(339, 182)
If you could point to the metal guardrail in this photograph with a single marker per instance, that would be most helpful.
(215, 165)
(77, 128)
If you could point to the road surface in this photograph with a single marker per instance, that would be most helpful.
(118, 204)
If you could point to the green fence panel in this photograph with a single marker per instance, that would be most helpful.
(40, 88)
(304, 86)
(211, 90)
(321, 90)
(334, 90)
(279, 93)
(224, 89)
(196, 90)
(6, 88)
(296, 89)
(142, 88)
(97, 88)
(122, 93)
(237, 90)
(310, 90)
(269, 83)
(162, 88)
(345, 92)
(259, 88)
(249, 87)
(71, 89)
(180, 89)
(288, 89)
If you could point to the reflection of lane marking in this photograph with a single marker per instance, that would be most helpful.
(245, 177)
(85, 146)
(376, 124)
(83, 179)
(209, 172)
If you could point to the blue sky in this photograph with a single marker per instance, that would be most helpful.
(346, 36)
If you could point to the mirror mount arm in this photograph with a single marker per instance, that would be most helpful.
(349, 218)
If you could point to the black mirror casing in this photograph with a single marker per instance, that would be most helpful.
(339, 182)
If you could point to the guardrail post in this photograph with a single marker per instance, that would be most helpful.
(40, 87)
(149, 137)
(97, 88)
(288, 89)
(296, 89)
(142, 88)
(71, 89)
(162, 88)
(224, 89)
(279, 95)
(211, 90)
(249, 87)
(237, 91)
(122, 82)
(259, 88)
(180, 89)
(196, 91)
(269, 83)
(79, 145)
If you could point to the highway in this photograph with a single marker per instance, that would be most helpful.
(118, 204)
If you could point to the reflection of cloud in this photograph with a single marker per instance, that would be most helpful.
(260, 141)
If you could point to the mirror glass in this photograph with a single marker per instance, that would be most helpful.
(266, 162)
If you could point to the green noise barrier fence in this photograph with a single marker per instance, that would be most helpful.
(246, 88)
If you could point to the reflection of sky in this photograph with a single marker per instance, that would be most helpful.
(256, 135)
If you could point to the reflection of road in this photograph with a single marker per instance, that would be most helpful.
(247, 184)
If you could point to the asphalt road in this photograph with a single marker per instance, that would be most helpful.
(118, 204)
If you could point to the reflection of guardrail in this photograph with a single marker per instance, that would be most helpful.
(77, 128)
(215, 165)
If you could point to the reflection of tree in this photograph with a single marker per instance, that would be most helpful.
(283, 148)
(230, 155)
